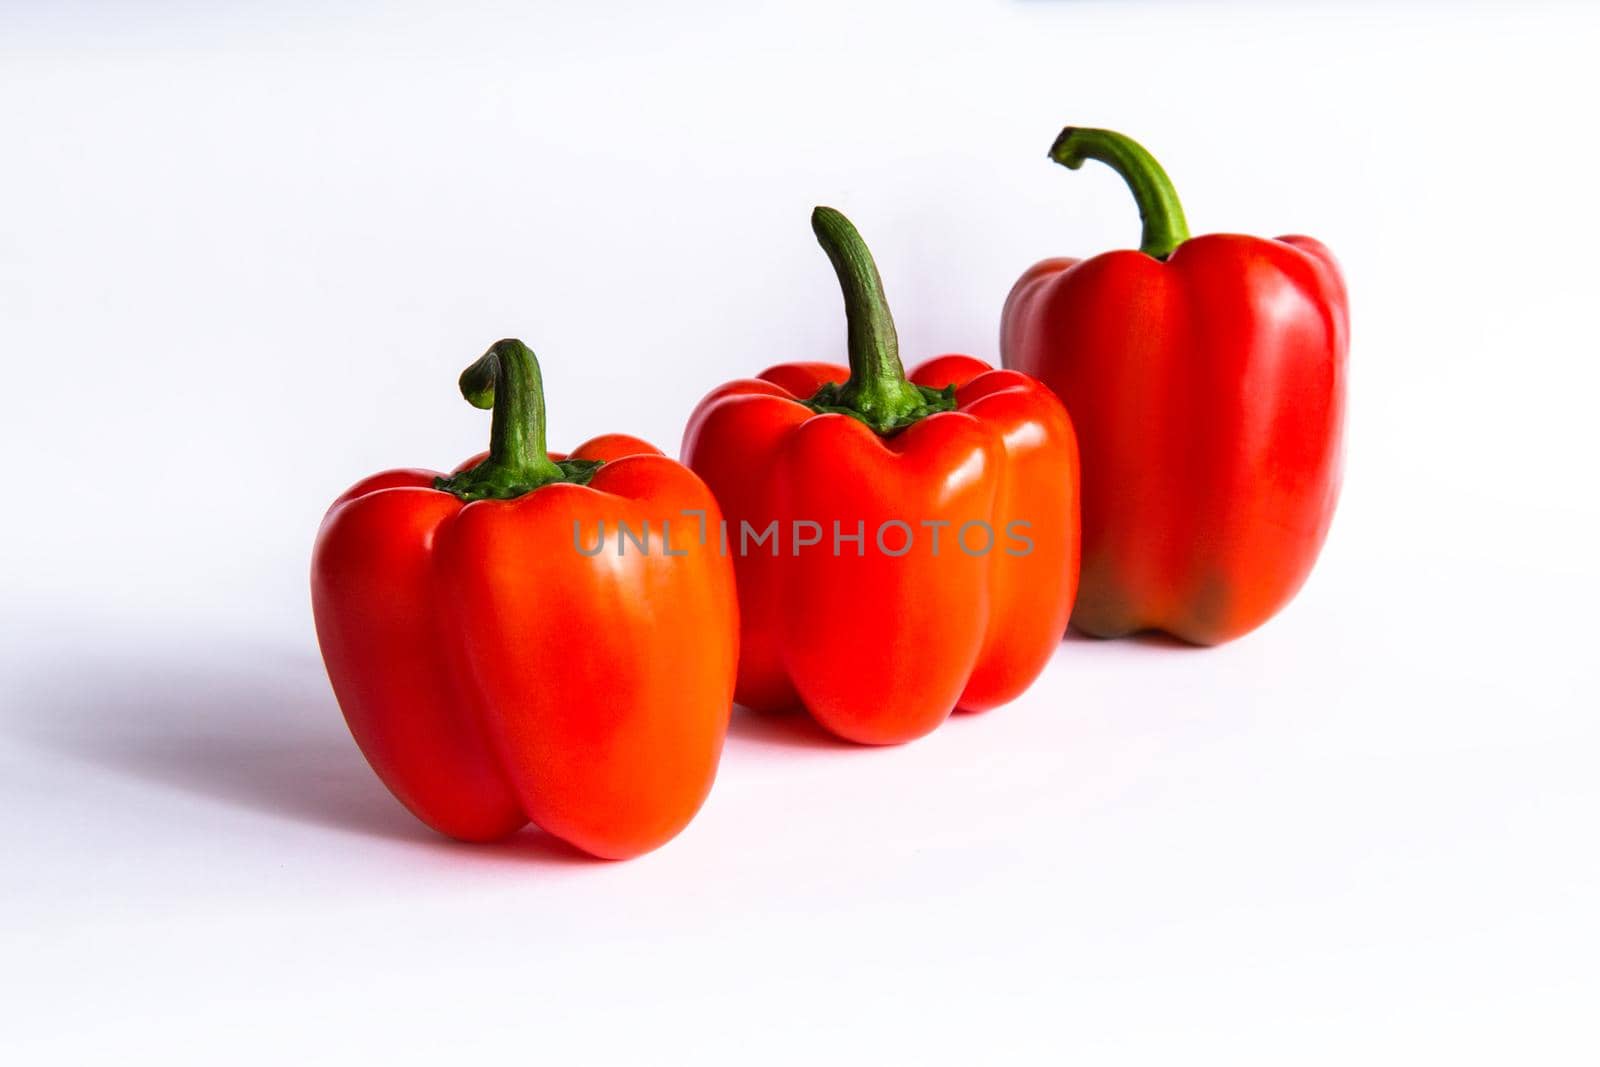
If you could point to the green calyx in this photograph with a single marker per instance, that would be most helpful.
(885, 419)
(1159, 208)
(506, 379)
(877, 392)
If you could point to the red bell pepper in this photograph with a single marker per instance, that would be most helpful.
(923, 533)
(1206, 379)
(493, 670)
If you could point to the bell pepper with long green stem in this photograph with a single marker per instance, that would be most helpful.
(1206, 378)
(904, 544)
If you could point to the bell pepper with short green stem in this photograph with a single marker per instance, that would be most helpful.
(492, 671)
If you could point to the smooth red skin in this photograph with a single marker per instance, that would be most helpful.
(881, 649)
(1208, 392)
(491, 674)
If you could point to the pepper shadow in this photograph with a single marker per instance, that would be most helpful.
(1139, 639)
(792, 729)
(255, 729)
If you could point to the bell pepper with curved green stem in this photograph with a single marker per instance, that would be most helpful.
(1206, 378)
(901, 609)
(492, 671)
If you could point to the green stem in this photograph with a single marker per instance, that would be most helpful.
(506, 378)
(1159, 208)
(877, 391)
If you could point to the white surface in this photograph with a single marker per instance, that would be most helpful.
(251, 253)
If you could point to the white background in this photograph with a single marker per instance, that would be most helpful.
(243, 257)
